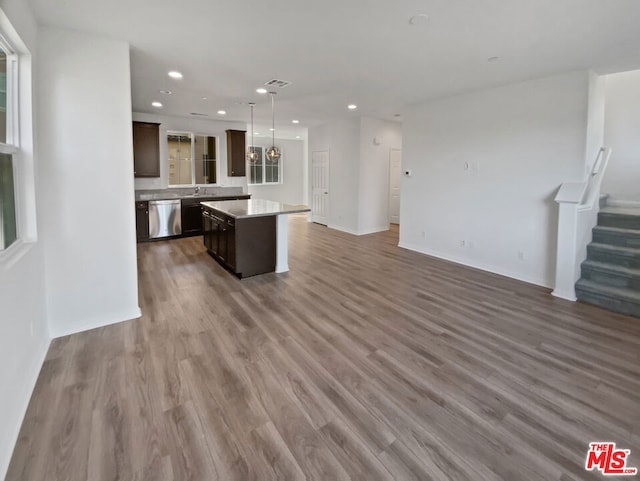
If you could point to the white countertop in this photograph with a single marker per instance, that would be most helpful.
(254, 208)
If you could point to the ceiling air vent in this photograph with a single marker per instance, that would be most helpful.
(278, 83)
(198, 114)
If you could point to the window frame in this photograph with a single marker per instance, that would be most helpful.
(193, 136)
(264, 167)
(11, 146)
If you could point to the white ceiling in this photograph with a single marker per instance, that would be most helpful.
(336, 52)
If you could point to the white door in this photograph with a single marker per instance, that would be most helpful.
(319, 186)
(395, 172)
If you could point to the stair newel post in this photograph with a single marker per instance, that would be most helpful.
(567, 263)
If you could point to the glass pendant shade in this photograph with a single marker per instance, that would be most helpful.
(273, 153)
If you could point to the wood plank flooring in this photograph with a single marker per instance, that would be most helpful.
(364, 362)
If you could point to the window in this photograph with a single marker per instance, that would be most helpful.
(192, 159)
(262, 170)
(8, 146)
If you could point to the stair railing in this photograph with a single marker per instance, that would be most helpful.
(591, 193)
(578, 205)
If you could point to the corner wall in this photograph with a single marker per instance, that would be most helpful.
(358, 172)
(24, 334)
(85, 149)
(486, 167)
(377, 138)
(342, 140)
(622, 134)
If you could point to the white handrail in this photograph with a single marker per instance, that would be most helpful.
(591, 193)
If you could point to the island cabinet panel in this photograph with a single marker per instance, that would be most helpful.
(192, 221)
(255, 244)
(146, 149)
(236, 153)
(245, 246)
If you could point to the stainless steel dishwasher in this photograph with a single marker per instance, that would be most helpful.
(165, 219)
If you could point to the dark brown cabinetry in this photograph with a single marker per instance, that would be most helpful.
(245, 246)
(191, 217)
(236, 153)
(142, 221)
(192, 213)
(146, 149)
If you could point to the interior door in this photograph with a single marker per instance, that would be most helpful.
(319, 186)
(395, 173)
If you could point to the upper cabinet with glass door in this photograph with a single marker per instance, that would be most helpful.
(192, 159)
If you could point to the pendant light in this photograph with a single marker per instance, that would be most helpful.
(273, 154)
(252, 155)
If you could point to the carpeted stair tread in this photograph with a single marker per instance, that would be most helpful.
(628, 295)
(607, 267)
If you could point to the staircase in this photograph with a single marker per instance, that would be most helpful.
(611, 273)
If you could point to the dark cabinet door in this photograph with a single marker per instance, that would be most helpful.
(142, 221)
(207, 227)
(191, 218)
(222, 240)
(146, 149)
(231, 243)
(236, 153)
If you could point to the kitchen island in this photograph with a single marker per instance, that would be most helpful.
(248, 237)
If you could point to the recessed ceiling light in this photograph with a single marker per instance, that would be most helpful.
(203, 98)
(419, 19)
(295, 121)
(175, 74)
(156, 104)
(352, 106)
(261, 91)
(257, 133)
(222, 112)
(166, 92)
(272, 130)
(493, 59)
(297, 136)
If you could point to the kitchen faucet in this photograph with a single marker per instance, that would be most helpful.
(197, 189)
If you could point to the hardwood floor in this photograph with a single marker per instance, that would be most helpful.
(364, 362)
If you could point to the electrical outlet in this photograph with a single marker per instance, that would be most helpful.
(466, 166)
(463, 243)
(470, 244)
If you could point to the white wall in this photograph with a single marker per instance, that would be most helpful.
(24, 336)
(85, 151)
(377, 138)
(342, 140)
(622, 134)
(521, 141)
(197, 126)
(359, 171)
(291, 190)
(595, 119)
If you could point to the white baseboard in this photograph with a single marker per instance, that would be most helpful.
(112, 318)
(342, 229)
(568, 296)
(374, 230)
(622, 203)
(359, 233)
(477, 265)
